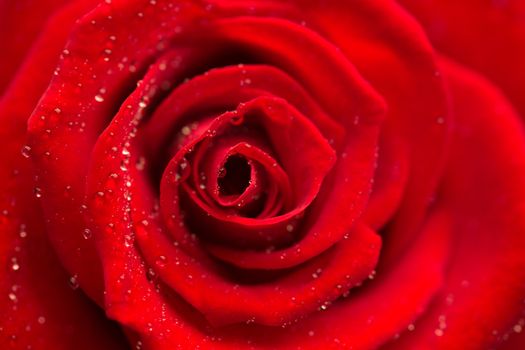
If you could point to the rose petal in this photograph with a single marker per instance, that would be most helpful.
(484, 195)
(488, 36)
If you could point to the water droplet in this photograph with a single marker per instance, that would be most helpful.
(26, 151)
(73, 282)
(99, 98)
(186, 130)
(141, 163)
(87, 233)
(41, 320)
(161, 261)
(38, 192)
(150, 274)
(289, 228)
(22, 232)
(128, 241)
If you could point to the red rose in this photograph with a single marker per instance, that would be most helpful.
(261, 175)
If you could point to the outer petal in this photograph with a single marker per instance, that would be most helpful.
(21, 22)
(483, 190)
(40, 304)
(487, 35)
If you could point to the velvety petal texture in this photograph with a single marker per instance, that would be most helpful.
(486, 35)
(258, 174)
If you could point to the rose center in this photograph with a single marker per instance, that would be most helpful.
(234, 177)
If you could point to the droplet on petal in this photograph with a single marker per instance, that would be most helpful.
(73, 282)
(26, 151)
(86, 233)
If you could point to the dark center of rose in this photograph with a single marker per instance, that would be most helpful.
(234, 177)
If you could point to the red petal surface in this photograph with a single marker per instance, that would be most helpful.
(484, 195)
(260, 174)
(486, 35)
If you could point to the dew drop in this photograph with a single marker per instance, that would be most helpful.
(26, 151)
(128, 241)
(22, 232)
(38, 192)
(141, 162)
(150, 274)
(186, 130)
(73, 282)
(41, 320)
(87, 233)
(161, 261)
(99, 98)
